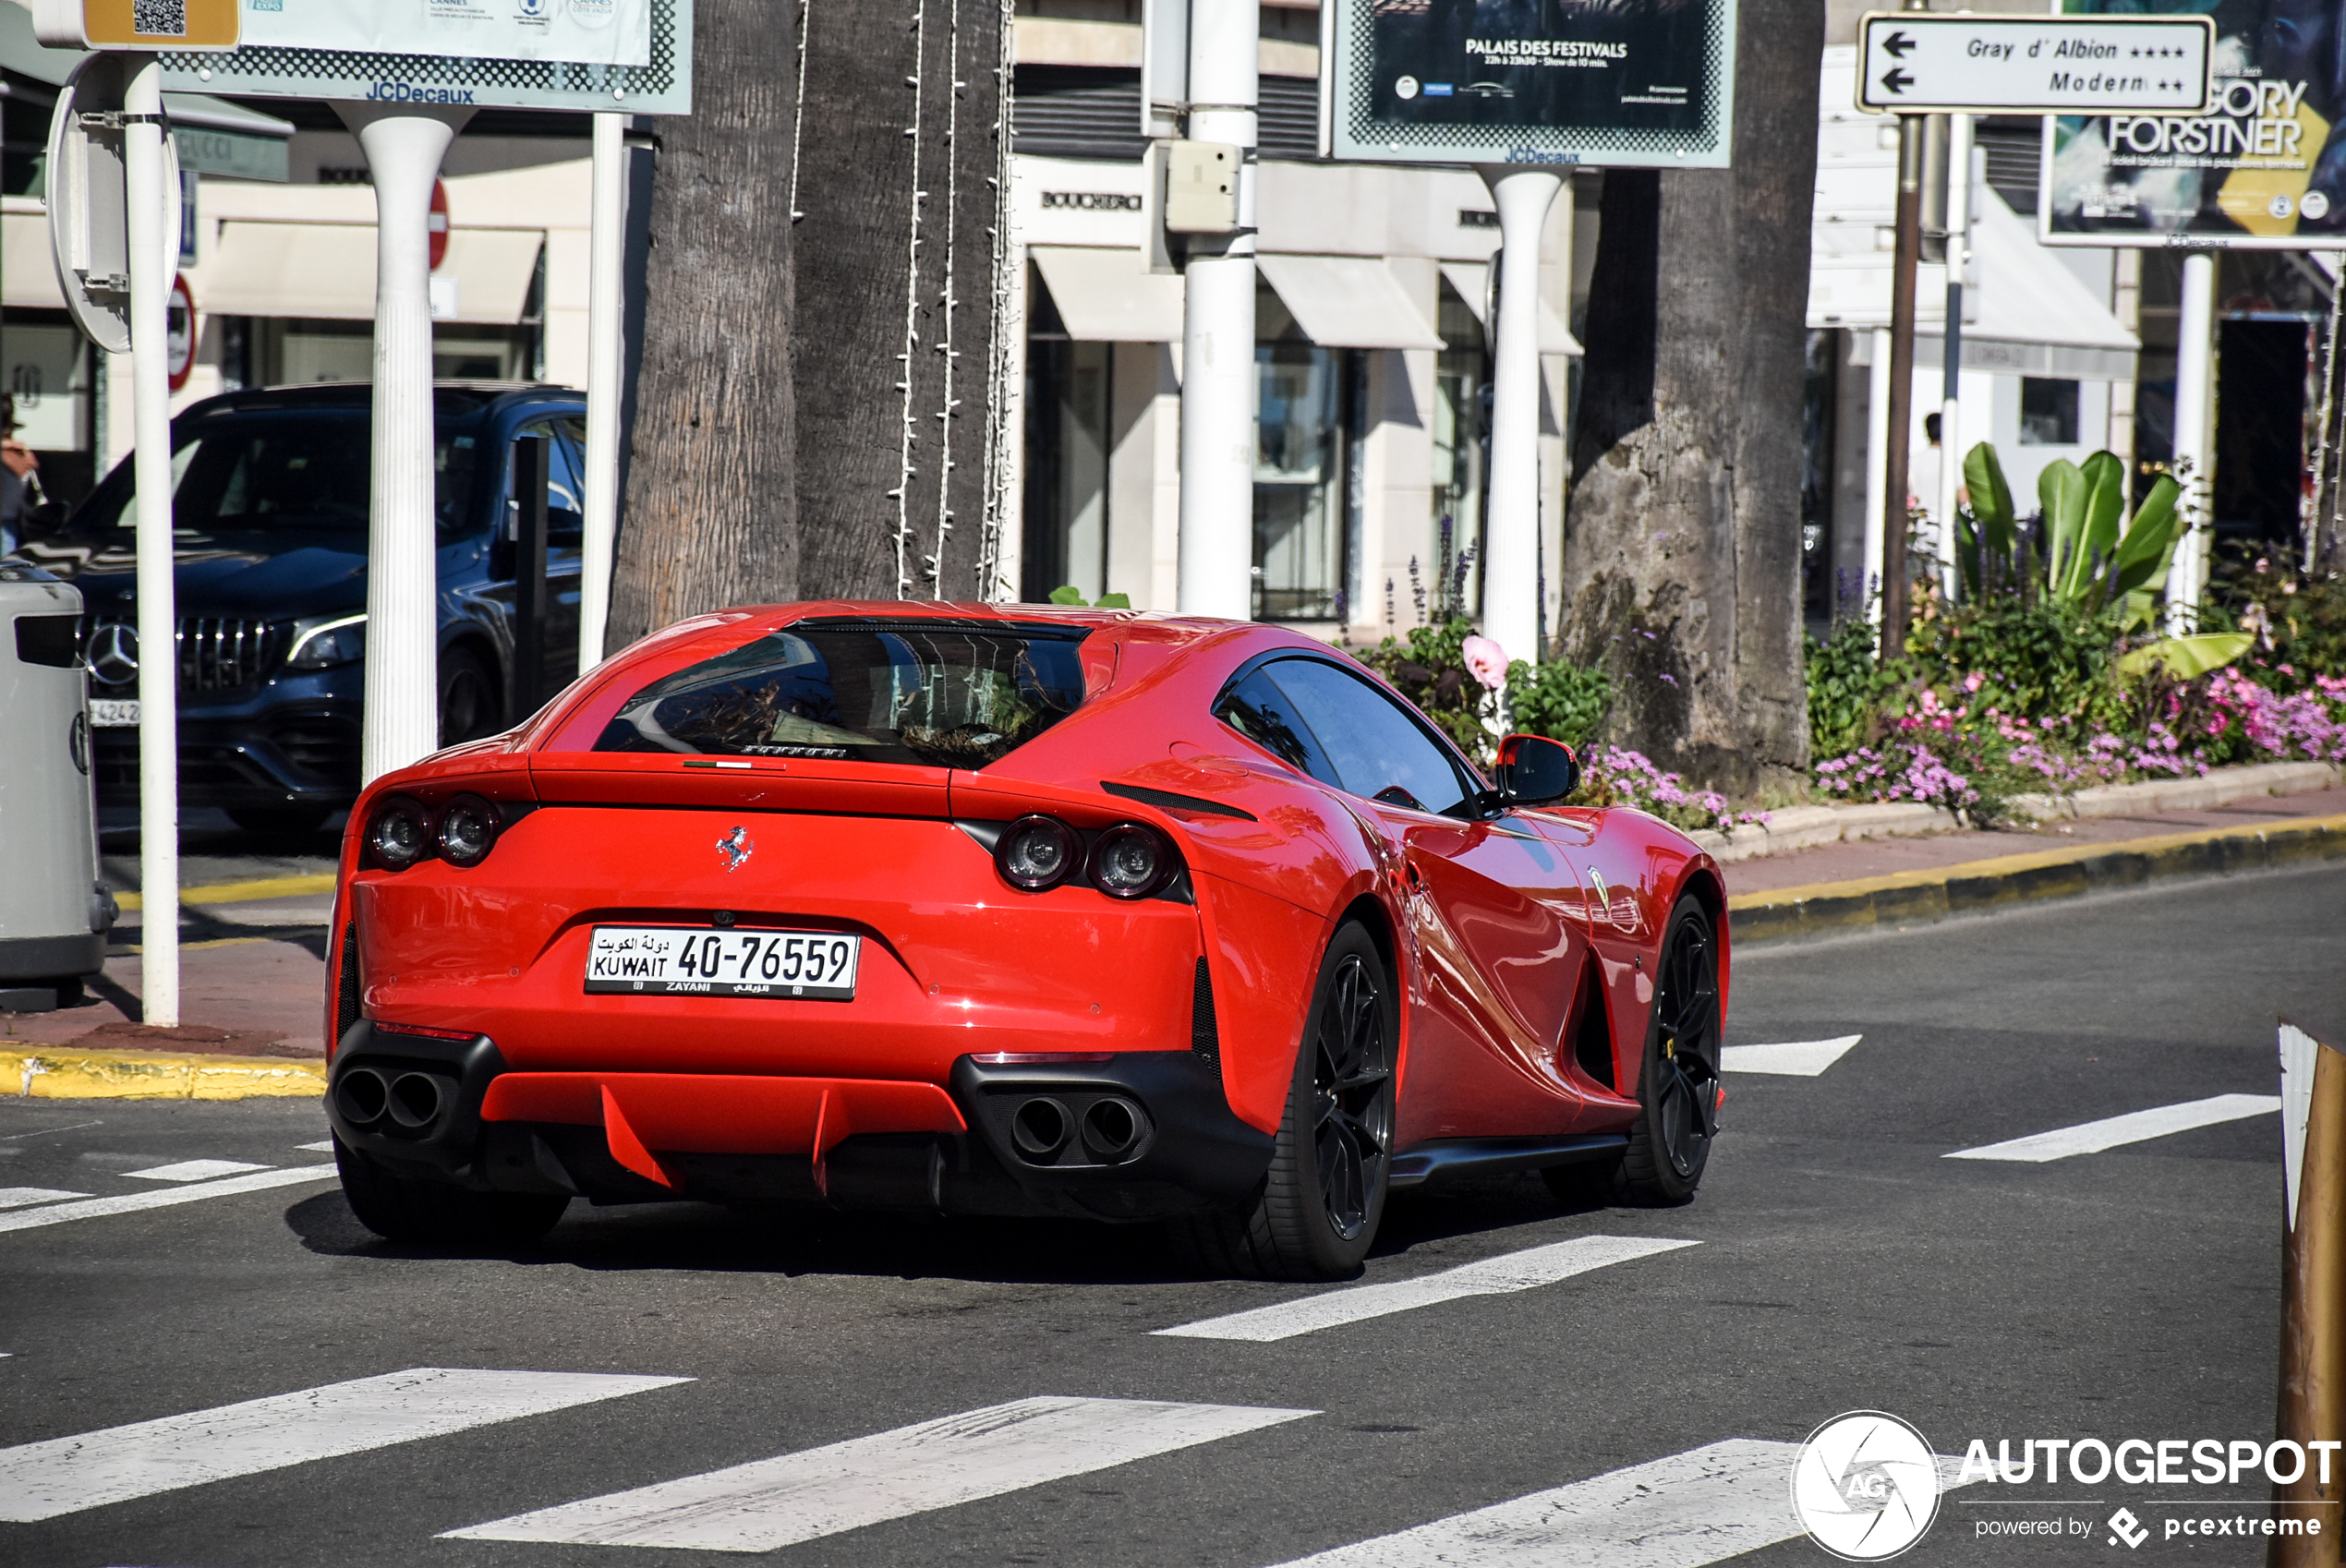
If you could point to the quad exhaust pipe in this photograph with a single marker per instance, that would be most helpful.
(1109, 1129)
(412, 1100)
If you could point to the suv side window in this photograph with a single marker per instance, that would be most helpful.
(1379, 752)
(1266, 716)
(564, 478)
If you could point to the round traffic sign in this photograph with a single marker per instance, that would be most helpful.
(180, 333)
(439, 224)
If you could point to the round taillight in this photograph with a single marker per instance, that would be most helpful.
(467, 830)
(1035, 852)
(1130, 862)
(395, 835)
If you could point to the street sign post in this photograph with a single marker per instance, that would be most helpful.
(1913, 64)
(1917, 63)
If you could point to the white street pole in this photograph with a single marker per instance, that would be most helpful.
(1877, 439)
(404, 146)
(2194, 438)
(150, 273)
(1218, 335)
(607, 239)
(1951, 447)
(1523, 194)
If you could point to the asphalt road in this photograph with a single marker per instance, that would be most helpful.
(1842, 1262)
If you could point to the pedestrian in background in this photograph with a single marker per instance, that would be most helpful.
(19, 477)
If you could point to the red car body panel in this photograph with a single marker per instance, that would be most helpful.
(1493, 927)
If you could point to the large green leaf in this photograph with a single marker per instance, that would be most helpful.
(2143, 552)
(2186, 656)
(2061, 491)
(2105, 504)
(1990, 497)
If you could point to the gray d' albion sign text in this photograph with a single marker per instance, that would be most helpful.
(1635, 84)
(1913, 62)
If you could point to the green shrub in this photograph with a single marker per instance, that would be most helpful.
(1560, 701)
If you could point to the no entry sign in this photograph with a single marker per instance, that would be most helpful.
(1916, 63)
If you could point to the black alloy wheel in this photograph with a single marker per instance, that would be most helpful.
(1352, 1094)
(1679, 1088)
(1323, 1196)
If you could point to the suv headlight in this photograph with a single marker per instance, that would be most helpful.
(323, 641)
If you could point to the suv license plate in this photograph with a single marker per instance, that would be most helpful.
(114, 713)
(668, 961)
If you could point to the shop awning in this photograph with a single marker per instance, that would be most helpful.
(1472, 281)
(1348, 302)
(327, 272)
(28, 269)
(1108, 296)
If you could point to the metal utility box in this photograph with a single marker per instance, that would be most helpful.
(53, 914)
(1200, 188)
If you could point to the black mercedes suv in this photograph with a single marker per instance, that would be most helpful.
(270, 514)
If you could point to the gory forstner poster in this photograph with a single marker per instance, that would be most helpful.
(2266, 168)
(1619, 82)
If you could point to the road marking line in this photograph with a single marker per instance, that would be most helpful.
(194, 1170)
(20, 1197)
(2135, 1127)
(1492, 1276)
(1691, 1508)
(131, 1202)
(1798, 1058)
(842, 1486)
(324, 1146)
(41, 1480)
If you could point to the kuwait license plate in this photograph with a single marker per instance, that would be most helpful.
(665, 960)
(114, 713)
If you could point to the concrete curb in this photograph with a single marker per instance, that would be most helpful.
(69, 1072)
(243, 892)
(1922, 898)
(1805, 827)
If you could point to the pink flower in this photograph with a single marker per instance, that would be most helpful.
(1486, 661)
(1971, 681)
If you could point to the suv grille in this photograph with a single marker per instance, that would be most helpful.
(217, 652)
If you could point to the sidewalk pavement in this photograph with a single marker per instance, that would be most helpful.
(253, 972)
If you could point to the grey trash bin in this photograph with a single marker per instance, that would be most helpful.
(53, 913)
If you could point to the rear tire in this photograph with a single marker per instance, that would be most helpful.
(469, 706)
(1679, 1084)
(1323, 1197)
(432, 1213)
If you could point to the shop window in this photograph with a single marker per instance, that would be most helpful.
(1299, 500)
(2048, 412)
(1067, 449)
(1461, 448)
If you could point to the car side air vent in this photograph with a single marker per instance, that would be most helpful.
(1205, 1038)
(1592, 1039)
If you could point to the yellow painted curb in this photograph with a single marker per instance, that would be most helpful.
(68, 1072)
(1933, 894)
(244, 892)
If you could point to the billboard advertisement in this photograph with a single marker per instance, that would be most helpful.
(2265, 168)
(1622, 83)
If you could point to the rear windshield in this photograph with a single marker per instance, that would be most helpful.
(946, 696)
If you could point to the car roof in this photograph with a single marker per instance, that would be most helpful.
(1176, 628)
(449, 399)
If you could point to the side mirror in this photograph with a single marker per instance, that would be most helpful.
(1534, 771)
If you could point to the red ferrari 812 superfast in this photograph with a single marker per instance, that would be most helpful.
(1012, 910)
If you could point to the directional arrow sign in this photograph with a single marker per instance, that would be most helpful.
(1917, 63)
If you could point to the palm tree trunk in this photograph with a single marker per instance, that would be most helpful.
(711, 511)
(1682, 548)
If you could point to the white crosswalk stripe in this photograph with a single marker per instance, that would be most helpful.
(2135, 1127)
(21, 1197)
(194, 1170)
(163, 1197)
(1492, 1276)
(1794, 1058)
(40, 1481)
(1692, 1509)
(821, 1491)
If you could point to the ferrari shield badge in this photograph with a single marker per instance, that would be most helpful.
(734, 848)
